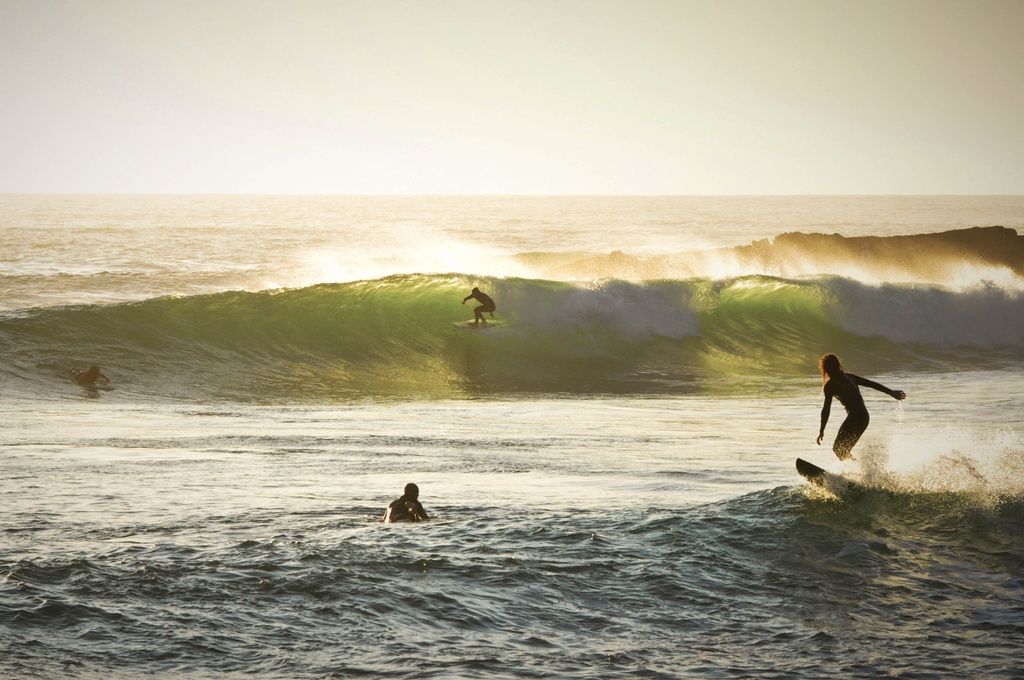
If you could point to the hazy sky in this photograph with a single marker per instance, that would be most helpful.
(631, 97)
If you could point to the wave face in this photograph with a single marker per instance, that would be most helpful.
(395, 336)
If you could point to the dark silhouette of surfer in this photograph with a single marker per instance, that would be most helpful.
(90, 377)
(486, 305)
(844, 387)
(407, 508)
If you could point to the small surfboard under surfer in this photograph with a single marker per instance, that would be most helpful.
(486, 305)
(846, 388)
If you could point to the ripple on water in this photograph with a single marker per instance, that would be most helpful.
(770, 582)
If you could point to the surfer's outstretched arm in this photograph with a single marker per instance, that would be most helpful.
(895, 394)
(826, 408)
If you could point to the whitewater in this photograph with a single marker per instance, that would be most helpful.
(610, 471)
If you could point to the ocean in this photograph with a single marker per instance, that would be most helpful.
(610, 471)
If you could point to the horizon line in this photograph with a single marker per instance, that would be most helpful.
(496, 195)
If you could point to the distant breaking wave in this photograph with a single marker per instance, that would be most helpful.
(952, 258)
(395, 337)
(959, 259)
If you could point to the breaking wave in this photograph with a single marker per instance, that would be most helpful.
(395, 336)
(957, 258)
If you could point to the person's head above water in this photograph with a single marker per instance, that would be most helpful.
(829, 366)
(412, 492)
(91, 373)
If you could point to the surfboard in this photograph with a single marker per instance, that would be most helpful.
(470, 325)
(837, 484)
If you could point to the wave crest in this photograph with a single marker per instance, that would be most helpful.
(956, 258)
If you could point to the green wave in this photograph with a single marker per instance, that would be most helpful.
(395, 337)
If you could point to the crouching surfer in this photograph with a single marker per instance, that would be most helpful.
(844, 387)
(407, 508)
(486, 305)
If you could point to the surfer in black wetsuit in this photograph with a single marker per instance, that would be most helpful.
(844, 387)
(90, 377)
(407, 508)
(486, 305)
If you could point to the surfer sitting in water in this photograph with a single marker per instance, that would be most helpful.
(407, 508)
(486, 305)
(90, 377)
(843, 386)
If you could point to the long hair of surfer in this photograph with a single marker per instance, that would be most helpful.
(829, 365)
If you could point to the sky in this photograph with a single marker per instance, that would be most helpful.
(512, 97)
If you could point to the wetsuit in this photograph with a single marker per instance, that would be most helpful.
(843, 386)
(89, 378)
(486, 304)
(404, 510)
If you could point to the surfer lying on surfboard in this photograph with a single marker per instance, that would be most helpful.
(844, 387)
(486, 305)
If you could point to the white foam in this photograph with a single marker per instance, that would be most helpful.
(983, 316)
(989, 465)
(631, 310)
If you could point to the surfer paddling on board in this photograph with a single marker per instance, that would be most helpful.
(486, 305)
(89, 377)
(844, 387)
(407, 508)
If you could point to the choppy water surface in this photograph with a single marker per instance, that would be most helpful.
(607, 537)
(610, 475)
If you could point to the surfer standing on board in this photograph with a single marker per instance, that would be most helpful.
(486, 305)
(843, 386)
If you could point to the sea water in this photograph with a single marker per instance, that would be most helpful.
(610, 473)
